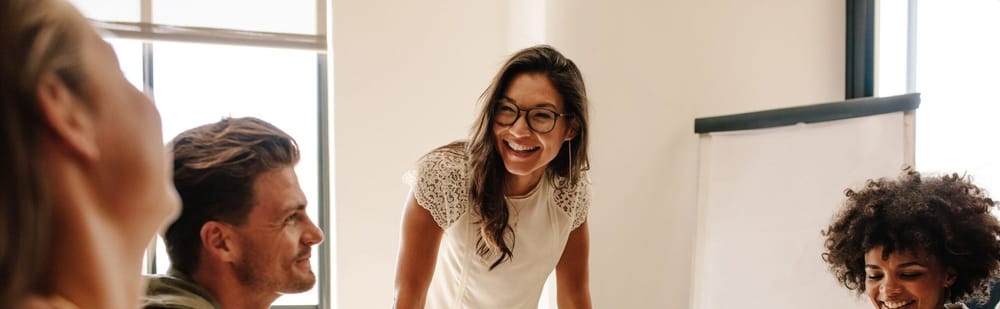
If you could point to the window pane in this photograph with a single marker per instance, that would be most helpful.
(891, 52)
(958, 60)
(289, 16)
(196, 84)
(129, 54)
(109, 10)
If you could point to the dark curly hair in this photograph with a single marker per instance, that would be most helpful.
(946, 217)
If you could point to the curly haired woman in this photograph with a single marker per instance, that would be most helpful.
(916, 242)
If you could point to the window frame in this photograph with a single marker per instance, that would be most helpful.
(148, 32)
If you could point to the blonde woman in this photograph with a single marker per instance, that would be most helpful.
(84, 180)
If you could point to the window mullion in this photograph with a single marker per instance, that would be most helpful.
(911, 46)
(145, 16)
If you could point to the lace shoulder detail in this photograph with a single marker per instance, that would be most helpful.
(574, 199)
(441, 185)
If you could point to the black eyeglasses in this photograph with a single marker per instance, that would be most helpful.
(540, 119)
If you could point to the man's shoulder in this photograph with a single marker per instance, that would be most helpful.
(175, 292)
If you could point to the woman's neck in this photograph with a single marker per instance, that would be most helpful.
(519, 185)
(94, 264)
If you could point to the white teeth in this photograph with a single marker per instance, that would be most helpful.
(518, 147)
(896, 304)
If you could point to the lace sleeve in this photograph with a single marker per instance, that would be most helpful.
(574, 199)
(441, 186)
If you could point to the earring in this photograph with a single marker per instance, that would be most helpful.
(569, 154)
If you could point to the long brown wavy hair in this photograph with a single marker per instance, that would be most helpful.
(488, 174)
(37, 37)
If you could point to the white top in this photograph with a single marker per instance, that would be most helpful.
(541, 221)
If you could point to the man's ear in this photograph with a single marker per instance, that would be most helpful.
(218, 240)
(68, 118)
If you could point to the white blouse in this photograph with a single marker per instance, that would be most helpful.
(541, 220)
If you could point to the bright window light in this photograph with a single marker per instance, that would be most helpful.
(957, 60)
(196, 84)
(958, 57)
(287, 16)
(109, 10)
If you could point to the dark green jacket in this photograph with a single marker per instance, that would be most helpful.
(176, 290)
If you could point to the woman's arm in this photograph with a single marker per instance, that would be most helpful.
(572, 272)
(418, 248)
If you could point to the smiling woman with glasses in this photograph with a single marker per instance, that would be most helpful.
(488, 219)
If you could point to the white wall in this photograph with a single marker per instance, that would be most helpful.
(651, 68)
(407, 74)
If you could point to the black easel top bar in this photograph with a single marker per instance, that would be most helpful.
(808, 114)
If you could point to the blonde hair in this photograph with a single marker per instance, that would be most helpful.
(37, 38)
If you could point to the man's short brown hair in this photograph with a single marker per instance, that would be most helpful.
(215, 166)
